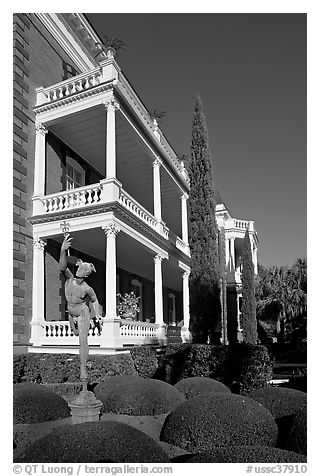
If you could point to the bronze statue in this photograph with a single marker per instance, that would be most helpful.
(77, 291)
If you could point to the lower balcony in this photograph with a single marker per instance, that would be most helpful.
(116, 336)
(90, 199)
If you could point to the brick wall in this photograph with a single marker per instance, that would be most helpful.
(21, 230)
(37, 61)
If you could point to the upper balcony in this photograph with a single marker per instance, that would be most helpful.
(97, 145)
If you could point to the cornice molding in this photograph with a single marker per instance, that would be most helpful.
(60, 33)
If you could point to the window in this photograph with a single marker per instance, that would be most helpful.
(75, 175)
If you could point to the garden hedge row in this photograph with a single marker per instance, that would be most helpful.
(241, 367)
(62, 368)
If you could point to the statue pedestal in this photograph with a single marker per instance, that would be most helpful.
(85, 407)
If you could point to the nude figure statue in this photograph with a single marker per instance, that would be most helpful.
(77, 291)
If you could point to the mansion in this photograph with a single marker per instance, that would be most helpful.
(89, 160)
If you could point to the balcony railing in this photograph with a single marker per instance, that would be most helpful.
(59, 333)
(138, 210)
(64, 89)
(69, 199)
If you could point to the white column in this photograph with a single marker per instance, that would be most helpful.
(255, 259)
(111, 231)
(233, 256)
(39, 168)
(157, 189)
(185, 294)
(37, 291)
(111, 105)
(227, 248)
(184, 217)
(158, 298)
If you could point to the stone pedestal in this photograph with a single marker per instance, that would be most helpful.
(85, 407)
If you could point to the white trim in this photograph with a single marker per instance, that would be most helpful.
(59, 32)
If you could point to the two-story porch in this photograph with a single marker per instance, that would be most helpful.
(105, 173)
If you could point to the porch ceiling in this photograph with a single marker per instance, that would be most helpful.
(131, 255)
(85, 133)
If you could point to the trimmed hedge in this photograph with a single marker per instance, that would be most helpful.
(297, 438)
(241, 367)
(60, 368)
(133, 395)
(282, 403)
(145, 361)
(94, 442)
(243, 454)
(195, 386)
(33, 403)
(219, 419)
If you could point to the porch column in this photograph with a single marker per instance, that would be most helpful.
(111, 232)
(184, 217)
(158, 298)
(185, 293)
(233, 256)
(227, 248)
(255, 260)
(111, 105)
(39, 168)
(37, 291)
(157, 189)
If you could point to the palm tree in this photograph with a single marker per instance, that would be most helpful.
(111, 42)
(281, 297)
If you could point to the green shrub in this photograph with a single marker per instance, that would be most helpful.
(297, 438)
(61, 368)
(243, 366)
(244, 454)
(133, 395)
(282, 403)
(195, 386)
(219, 419)
(145, 361)
(94, 442)
(33, 403)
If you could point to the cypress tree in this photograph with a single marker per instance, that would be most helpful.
(205, 303)
(248, 310)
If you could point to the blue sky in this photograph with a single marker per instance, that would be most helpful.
(250, 71)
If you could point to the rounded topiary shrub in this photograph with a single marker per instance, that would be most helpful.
(282, 403)
(297, 439)
(133, 395)
(33, 403)
(219, 419)
(94, 442)
(195, 386)
(244, 454)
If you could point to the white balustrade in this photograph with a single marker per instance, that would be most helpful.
(135, 329)
(68, 199)
(70, 86)
(138, 210)
(242, 224)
